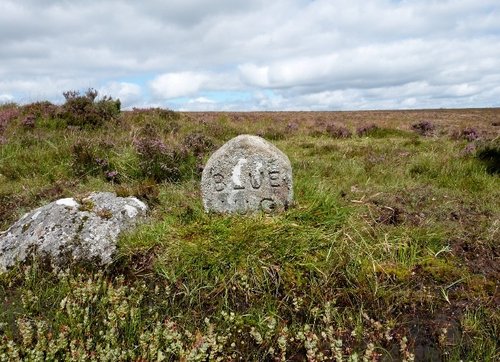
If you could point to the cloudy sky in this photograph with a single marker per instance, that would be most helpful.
(254, 54)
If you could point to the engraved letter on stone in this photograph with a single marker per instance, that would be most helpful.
(274, 177)
(236, 176)
(256, 176)
(219, 182)
(268, 205)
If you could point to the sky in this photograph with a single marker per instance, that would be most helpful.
(246, 55)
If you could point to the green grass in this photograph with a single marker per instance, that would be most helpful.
(388, 252)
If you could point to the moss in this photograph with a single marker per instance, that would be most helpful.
(86, 205)
(396, 272)
(441, 270)
(480, 286)
(26, 226)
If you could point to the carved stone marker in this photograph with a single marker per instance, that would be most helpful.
(245, 175)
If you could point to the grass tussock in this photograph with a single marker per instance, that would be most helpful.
(389, 253)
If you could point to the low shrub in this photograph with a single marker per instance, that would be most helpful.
(84, 159)
(372, 130)
(161, 161)
(469, 134)
(95, 317)
(29, 121)
(41, 110)
(198, 144)
(87, 161)
(85, 111)
(366, 130)
(8, 114)
(292, 127)
(423, 128)
(336, 131)
(321, 128)
(9, 204)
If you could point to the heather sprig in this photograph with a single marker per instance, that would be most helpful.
(8, 114)
(336, 131)
(424, 128)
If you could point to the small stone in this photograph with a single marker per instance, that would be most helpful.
(245, 175)
(68, 230)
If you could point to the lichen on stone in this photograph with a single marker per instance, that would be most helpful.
(69, 230)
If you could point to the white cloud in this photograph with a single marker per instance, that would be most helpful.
(174, 85)
(27, 90)
(6, 98)
(255, 75)
(201, 100)
(184, 84)
(199, 104)
(128, 93)
(323, 54)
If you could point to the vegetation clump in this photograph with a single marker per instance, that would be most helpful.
(292, 127)
(8, 113)
(29, 121)
(159, 160)
(41, 110)
(87, 161)
(336, 131)
(86, 111)
(198, 144)
(366, 130)
(469, 134)
(424, 128)
(84, 160)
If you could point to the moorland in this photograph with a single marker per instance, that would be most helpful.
(390, 251)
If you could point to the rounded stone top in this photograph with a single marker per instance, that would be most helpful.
(245, 175)
(70, 230)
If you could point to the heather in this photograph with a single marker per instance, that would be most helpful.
(389, 253)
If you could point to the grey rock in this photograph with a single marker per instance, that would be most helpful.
(67, 230)
(245, 175)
